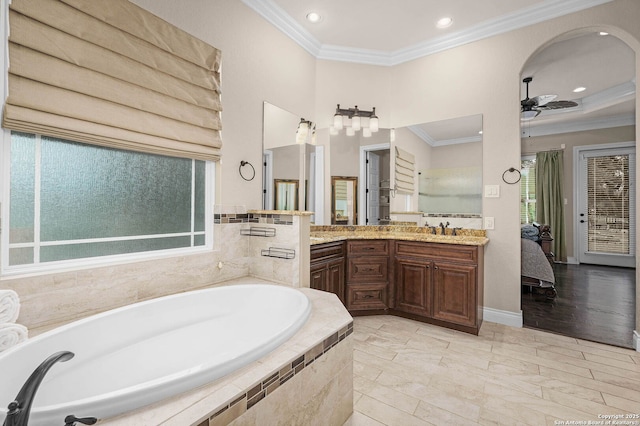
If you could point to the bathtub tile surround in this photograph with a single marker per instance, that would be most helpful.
(264, 388)
(307, 380)
(55, 298)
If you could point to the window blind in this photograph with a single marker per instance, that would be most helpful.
(610, 201)
(405, 172)
(528, 189)
(112, 74)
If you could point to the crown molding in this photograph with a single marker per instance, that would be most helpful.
(578, 126)
(546, 10)
(275, 15)
(419, 132)
(608, 97)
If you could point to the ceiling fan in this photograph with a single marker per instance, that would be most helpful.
(532, 107)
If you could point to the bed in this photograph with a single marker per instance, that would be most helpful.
(537, 259)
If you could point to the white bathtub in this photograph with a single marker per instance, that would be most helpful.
(139, 354)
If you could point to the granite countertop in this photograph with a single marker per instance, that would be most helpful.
(326, 234)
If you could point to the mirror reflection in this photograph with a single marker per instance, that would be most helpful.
(289, 162)
(450, 182)
(368, 159)
(344, 200)
(286, 197)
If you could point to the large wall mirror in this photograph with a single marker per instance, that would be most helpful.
(441, 162)
(290, 163)
(450, 179)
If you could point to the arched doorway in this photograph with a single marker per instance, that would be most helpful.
(589, 299)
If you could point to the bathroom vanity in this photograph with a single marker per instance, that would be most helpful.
(431, 278)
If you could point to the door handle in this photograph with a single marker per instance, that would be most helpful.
(582, 221)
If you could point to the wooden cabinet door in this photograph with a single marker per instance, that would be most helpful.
(318, 276)
(454, 293)
(413, 287)
(335, 279)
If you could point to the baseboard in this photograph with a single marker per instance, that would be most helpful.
(513, 319)
(636, 340)
(572, 261)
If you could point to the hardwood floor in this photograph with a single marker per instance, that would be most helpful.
(594, 303)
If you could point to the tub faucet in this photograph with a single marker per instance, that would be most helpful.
(20, 409)
(71, 420)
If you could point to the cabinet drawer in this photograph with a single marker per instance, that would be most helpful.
(367, 296)
(320, 252)
(368, 269)
(454, 252)
(366, 247)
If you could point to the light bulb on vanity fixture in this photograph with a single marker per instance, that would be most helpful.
(354, 120)
(304, 127)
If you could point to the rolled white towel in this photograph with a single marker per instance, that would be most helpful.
(9, 306)
(12, 334)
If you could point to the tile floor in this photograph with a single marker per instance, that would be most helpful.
(410, 373)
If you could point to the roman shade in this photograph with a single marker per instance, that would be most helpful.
(110, 73)
(405, 174)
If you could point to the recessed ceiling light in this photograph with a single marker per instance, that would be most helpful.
(603, 33)
(314, 17)
(444, 22)
(579, 89)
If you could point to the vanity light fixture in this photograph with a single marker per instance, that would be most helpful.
(353, 120)
(304, 127)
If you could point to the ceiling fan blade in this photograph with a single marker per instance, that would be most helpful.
(544, 99)
(559, 105)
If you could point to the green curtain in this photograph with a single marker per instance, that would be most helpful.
(550, 198)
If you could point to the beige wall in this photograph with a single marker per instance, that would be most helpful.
(570, 140)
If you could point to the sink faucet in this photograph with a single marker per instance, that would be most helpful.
(20, 409)
(442, 227)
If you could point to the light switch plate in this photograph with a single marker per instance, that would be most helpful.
(492, 191)
(489, 223)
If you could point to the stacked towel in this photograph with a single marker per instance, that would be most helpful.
(12, 334)
(9, 306)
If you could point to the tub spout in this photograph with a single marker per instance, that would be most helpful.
(20, 409)
(71, 420)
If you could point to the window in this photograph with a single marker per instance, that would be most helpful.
(528, 189)
(68, 202)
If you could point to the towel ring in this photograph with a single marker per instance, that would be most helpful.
(244, 163)
(511, 170)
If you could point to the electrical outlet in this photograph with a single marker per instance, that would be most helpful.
(489, 223)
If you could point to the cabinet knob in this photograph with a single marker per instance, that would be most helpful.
(435, 267)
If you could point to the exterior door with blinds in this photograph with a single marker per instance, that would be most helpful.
(606, 206)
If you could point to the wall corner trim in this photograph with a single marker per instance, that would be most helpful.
(636, 340)
(513, 319)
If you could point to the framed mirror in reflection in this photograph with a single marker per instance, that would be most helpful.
(344, 195)
(286, 194)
